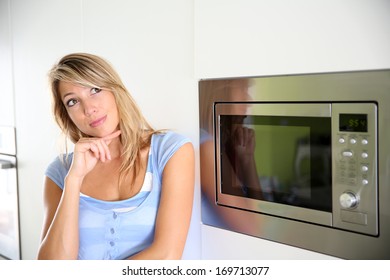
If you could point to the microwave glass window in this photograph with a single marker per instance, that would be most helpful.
(353, 122)
(290, 158)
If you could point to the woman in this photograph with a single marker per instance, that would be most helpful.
(126, 191)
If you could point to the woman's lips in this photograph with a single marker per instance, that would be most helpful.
(98, 121)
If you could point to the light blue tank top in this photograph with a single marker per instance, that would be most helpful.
(119, 229)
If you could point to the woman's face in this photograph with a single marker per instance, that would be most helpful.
(92, 110)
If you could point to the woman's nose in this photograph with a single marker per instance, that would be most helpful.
(89, 108)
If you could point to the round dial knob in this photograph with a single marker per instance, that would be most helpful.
(348, 200)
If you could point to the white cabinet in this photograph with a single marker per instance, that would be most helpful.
(7, 116)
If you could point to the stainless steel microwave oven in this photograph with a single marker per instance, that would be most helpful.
(300, 159)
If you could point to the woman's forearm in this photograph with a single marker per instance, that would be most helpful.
(62, 238)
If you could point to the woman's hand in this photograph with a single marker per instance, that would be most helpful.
(244, 139)
(88, 151)
(60, 235)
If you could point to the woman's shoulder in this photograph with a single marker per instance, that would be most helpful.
(169, 137)
(164, 144)
(58, 168)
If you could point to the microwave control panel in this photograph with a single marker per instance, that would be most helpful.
(354, 165)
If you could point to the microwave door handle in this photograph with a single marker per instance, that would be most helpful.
(5, 164)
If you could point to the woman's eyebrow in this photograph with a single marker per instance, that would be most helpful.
(67, 94)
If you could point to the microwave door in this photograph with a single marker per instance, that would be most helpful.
(292, 158)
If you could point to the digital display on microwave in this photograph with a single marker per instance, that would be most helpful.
(353, 122)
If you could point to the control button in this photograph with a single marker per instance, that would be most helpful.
(347, 153)
(341, 140)
(364, 142)
(348, 200)
(365, 182)
(364, 168)
(364, 155)
(352, 141)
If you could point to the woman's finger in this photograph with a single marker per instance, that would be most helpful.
(103, 152)
(239, 136)
(94, 149)
(106, 150)
(97, 146)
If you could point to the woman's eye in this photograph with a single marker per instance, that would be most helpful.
(71, 102)
(95, 90)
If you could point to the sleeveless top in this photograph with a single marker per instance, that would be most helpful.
(119, 229)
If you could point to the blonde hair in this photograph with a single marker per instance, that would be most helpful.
(93, 71)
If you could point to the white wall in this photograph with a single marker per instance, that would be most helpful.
(151, 45)
(266, 37)
(269, 37)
